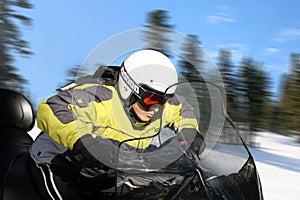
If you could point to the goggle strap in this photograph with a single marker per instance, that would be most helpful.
(135, 88)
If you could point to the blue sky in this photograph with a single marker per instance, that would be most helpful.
(64, 32)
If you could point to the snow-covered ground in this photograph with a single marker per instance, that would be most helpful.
(278, 163)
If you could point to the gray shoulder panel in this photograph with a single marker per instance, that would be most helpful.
(44, 149)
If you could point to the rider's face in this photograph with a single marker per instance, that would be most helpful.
(142, 114)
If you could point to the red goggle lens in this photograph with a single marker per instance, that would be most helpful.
(152, 99)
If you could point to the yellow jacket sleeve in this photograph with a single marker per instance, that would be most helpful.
(64, 131)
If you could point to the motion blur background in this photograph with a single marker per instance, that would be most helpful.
(255, 45)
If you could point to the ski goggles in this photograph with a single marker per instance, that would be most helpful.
(150, 98)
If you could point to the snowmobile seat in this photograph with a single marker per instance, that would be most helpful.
(16, 119)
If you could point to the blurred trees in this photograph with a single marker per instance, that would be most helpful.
(156, 37)
(11, 43)
(75, 72)
(247, 90)
(190, 66)
(253, 93)
(157, 27)
(191, 55)
(72, 74)
(291, 95)
(229, 78)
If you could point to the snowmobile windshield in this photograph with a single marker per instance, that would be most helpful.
(201, 126)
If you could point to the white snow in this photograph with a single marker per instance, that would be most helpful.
(278, 162)
(34, 132)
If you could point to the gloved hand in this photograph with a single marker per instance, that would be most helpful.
(191, 137)
(95, 152)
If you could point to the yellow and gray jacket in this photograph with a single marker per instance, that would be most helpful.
(96, 109)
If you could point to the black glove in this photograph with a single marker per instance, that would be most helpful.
(95, 152)
(191, 139)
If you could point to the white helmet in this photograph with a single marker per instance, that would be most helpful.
(147, 69)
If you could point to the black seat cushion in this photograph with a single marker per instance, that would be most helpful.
(15, 110)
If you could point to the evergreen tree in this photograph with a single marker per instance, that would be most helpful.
(227, 71)
(157, 28)
(278, 122)
(11, 43)
(254, 94)
(291, 95)
(191, 59)
(190, 66)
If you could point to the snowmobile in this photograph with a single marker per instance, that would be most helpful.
(215, 169)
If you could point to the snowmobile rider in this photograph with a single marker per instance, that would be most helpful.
(87, 114)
